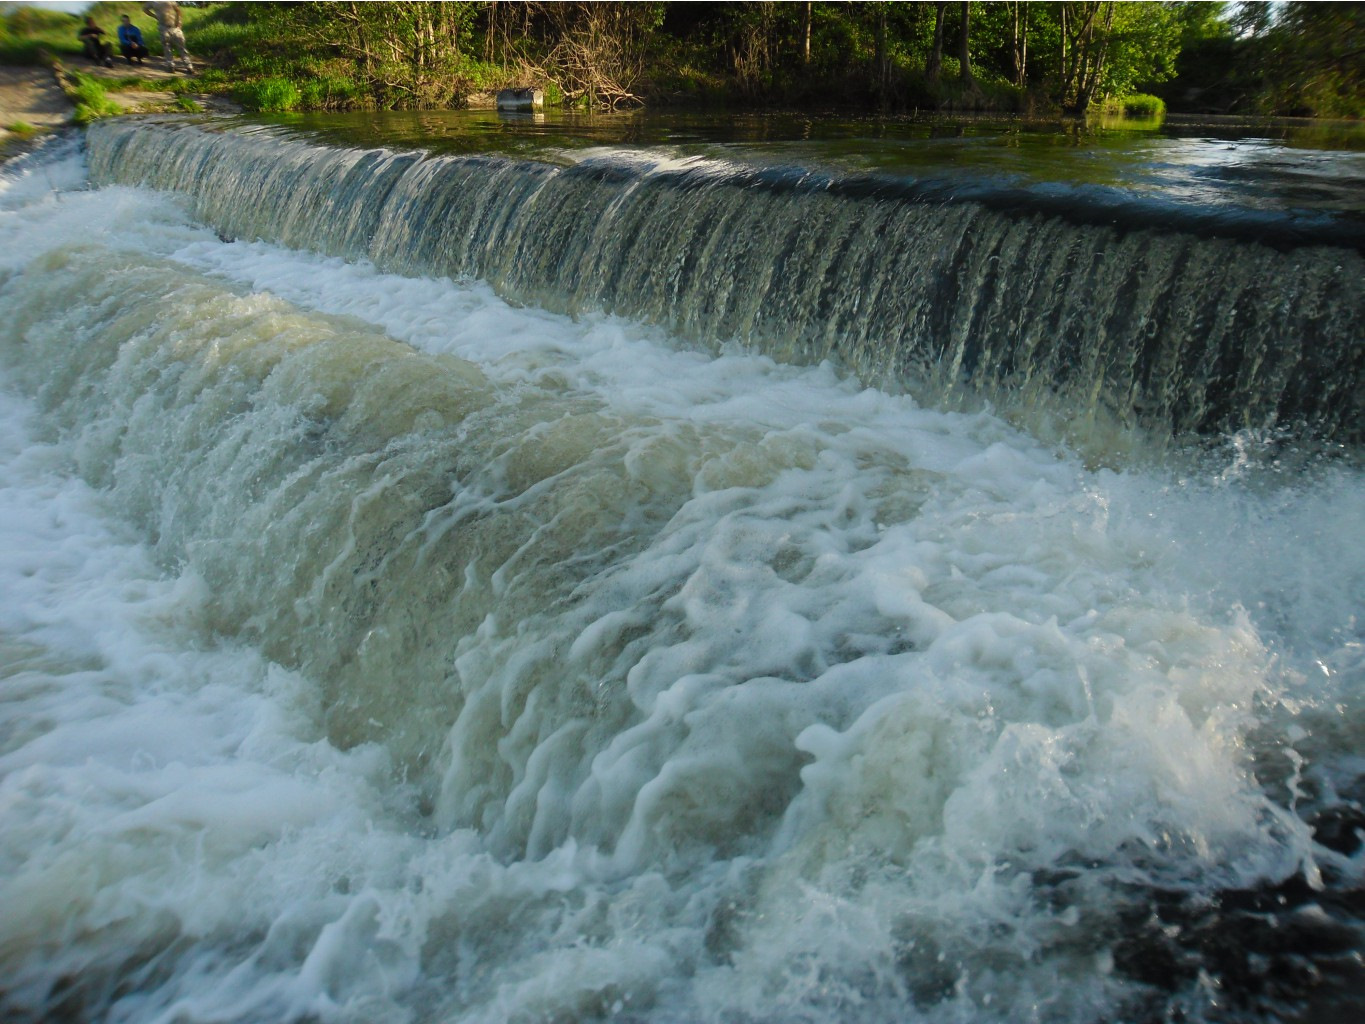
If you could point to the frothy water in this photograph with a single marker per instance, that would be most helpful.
(375, 650)
(1175, 317)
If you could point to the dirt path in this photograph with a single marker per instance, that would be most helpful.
(30, 96)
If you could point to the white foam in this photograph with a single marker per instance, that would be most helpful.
(939, 655)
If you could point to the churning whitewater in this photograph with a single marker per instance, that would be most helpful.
(375, 650)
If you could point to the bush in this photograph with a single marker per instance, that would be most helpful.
(329, 92)
(268, 95)
(1139, 104)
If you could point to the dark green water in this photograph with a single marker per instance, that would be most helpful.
(1286, 165)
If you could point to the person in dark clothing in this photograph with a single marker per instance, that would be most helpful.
(130, 42)
(91, 37)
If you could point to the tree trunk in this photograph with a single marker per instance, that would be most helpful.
(1061, 70)
(934, 64)
(963, 57)
(1096, 53)
(805, 54)
(880, 57)
(1018, 43)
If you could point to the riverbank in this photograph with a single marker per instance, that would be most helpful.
(32, 100)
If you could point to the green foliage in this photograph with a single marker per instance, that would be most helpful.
(32, 32)
(330, 92)
(1144, 45)
(90, 99)
(20, 128)
(268, 95)
(1286, 58)
(1314, 60)
(188, 105)
(27, 32)
(1138, 104)
(84, 89)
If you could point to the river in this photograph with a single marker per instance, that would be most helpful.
(473, 569)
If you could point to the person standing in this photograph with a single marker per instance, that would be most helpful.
(130, 42)
(169, 26)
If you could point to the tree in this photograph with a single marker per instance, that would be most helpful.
(1018, 52)
(964, 58)
(601, 53)
(407, 54)
(934, 65)
(1316, 60)
(1107, 48)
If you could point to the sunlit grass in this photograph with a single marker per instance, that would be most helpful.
(90, 99)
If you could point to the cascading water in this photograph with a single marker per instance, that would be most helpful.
(1194, 323)
(375, 650)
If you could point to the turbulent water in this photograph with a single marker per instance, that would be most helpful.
(1177, 317)
(376, 650)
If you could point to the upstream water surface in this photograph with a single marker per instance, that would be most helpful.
(407, 614)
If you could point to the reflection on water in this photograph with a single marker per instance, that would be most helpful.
(1280, 165)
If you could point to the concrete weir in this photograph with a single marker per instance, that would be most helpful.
(521, 99)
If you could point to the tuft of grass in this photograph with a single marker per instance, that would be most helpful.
(1139, 104)
(273, 95)
(329, 92)
(188, 104)
(20, 128)
(90, 99)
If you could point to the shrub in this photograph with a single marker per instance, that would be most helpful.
(329, 92)
(1140, 104)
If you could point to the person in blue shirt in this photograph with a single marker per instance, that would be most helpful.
(130, 42)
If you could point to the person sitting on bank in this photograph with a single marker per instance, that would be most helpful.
(95, 47)
(130, 42)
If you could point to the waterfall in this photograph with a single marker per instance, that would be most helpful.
(380, 646)
(1188, 323)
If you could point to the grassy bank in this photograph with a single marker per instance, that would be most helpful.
(88, 96)
(277, 58)
(882, 58)
(32, 35)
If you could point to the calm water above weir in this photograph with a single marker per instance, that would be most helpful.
(676, 572)
(1275, 165)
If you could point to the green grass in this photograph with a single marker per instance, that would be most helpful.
(20, 128)
(249, 55)
(89, 97)
(329, 92)
(28, 33)
(1139, 104)
(273, 95)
